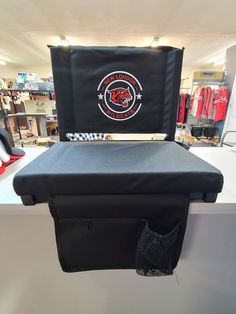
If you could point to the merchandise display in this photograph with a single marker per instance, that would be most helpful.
(210, 103)
(203, 113)
(32, 85)
(118, 205)
(26, 113)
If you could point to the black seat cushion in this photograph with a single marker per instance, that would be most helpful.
(116, 168)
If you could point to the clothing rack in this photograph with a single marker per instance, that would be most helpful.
(209, 83)
(213, 86)
(205, 83)
(27, 90)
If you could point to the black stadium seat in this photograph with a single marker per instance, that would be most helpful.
(118, 205)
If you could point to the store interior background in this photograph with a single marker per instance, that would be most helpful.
(29, 26)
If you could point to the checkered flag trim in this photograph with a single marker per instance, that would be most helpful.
(74, 137)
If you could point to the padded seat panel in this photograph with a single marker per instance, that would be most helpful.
(117, 168)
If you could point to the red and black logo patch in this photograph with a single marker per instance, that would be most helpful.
(119, 96)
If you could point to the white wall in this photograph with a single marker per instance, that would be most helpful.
(7, 71)
(230, 121)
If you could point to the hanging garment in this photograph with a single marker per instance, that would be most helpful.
(200, 102)
(187, 107)
(194, 101)
(178, 107)
(207, 107)
(220, 104)
(182, 110)
(204, 103)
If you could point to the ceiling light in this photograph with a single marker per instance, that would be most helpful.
(64, 41)
(220, 62)
(155, 42)
(2, 62)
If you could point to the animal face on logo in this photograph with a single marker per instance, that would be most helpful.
(120, 96)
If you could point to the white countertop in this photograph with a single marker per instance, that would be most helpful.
(10, 202)
(222, 158)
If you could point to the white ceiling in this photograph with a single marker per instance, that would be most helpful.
(206, 28)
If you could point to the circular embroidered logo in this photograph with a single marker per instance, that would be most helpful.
(119, 95)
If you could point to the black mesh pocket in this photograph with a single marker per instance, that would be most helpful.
(156, 254)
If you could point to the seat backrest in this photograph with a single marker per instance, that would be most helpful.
(116, 89)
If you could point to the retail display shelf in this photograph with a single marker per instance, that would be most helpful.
(27, 90)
